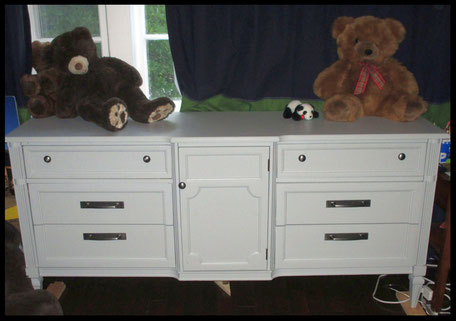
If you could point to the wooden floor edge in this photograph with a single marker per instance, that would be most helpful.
(418, 310)
(225, 286)
(56, 288)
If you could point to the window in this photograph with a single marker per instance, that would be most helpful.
(48, 21)
(152, 52)
(136, 34)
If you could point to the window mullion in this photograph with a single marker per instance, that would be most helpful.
(156, 36)
(140, 45)
(119, 24)
(104, 37)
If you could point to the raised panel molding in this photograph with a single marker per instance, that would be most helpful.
(230, 209)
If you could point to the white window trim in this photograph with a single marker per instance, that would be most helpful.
(103, 21)
(138, 28)
(122, 35)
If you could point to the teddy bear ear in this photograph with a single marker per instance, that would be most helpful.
(46, 55)
(340, 24)
(37, 48)
(82, 31)
(397, 29)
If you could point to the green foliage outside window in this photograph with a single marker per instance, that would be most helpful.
(57, 19)
(155, 19)
(161, 72)
(159, 59)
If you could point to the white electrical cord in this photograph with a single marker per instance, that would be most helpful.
(388, 302)
(447, 287)
(448, 307)
(408, 297)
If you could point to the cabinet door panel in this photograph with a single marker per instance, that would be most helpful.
(224, 221)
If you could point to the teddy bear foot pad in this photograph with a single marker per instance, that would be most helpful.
(160, 113)
(118, 115)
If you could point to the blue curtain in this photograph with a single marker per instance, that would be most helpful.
(18, 50)
(276, 51)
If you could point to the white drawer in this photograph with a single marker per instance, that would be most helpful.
(136, 246)
(348, 203)
(351, 160)
(102, 202)
(305, 246)
(223, 162)
(121, 161)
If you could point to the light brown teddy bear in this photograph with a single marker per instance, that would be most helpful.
(366, 80)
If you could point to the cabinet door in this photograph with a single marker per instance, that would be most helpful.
(224, 208)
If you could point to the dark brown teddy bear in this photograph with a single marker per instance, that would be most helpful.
(366, 80)
(42, 87)
(101, 90)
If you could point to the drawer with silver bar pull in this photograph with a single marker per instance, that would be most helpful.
(102, 203)
(346, 236)
(104, 236)
(344, 203)
(105, 245)
(345, 245)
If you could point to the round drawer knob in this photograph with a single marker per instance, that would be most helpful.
(182, 185)
(302, 158)
(401, 156)
(47, 159)
(146, 159)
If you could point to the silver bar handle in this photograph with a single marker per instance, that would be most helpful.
(348, 203)
(346, 236)
(101, 205)
(104, 236)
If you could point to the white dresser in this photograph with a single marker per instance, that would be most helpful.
(226, 196)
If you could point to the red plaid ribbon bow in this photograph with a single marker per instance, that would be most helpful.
(367, 70)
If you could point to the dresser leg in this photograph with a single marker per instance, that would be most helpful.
(37, 283)
(416, 284)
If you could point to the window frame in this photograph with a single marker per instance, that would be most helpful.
(139, 43)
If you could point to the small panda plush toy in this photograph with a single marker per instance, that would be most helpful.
(297, 110)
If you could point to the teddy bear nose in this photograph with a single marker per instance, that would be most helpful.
(78, 66)
(368, 52)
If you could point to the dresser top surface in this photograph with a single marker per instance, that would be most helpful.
(200, 126)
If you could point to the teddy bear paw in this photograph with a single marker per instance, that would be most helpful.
(161, 112)
(30, 85)
(40, 107)
(118, 115)
(414, 109)
(342, 107)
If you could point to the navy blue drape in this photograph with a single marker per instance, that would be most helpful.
(18, 50)
(276, 51)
